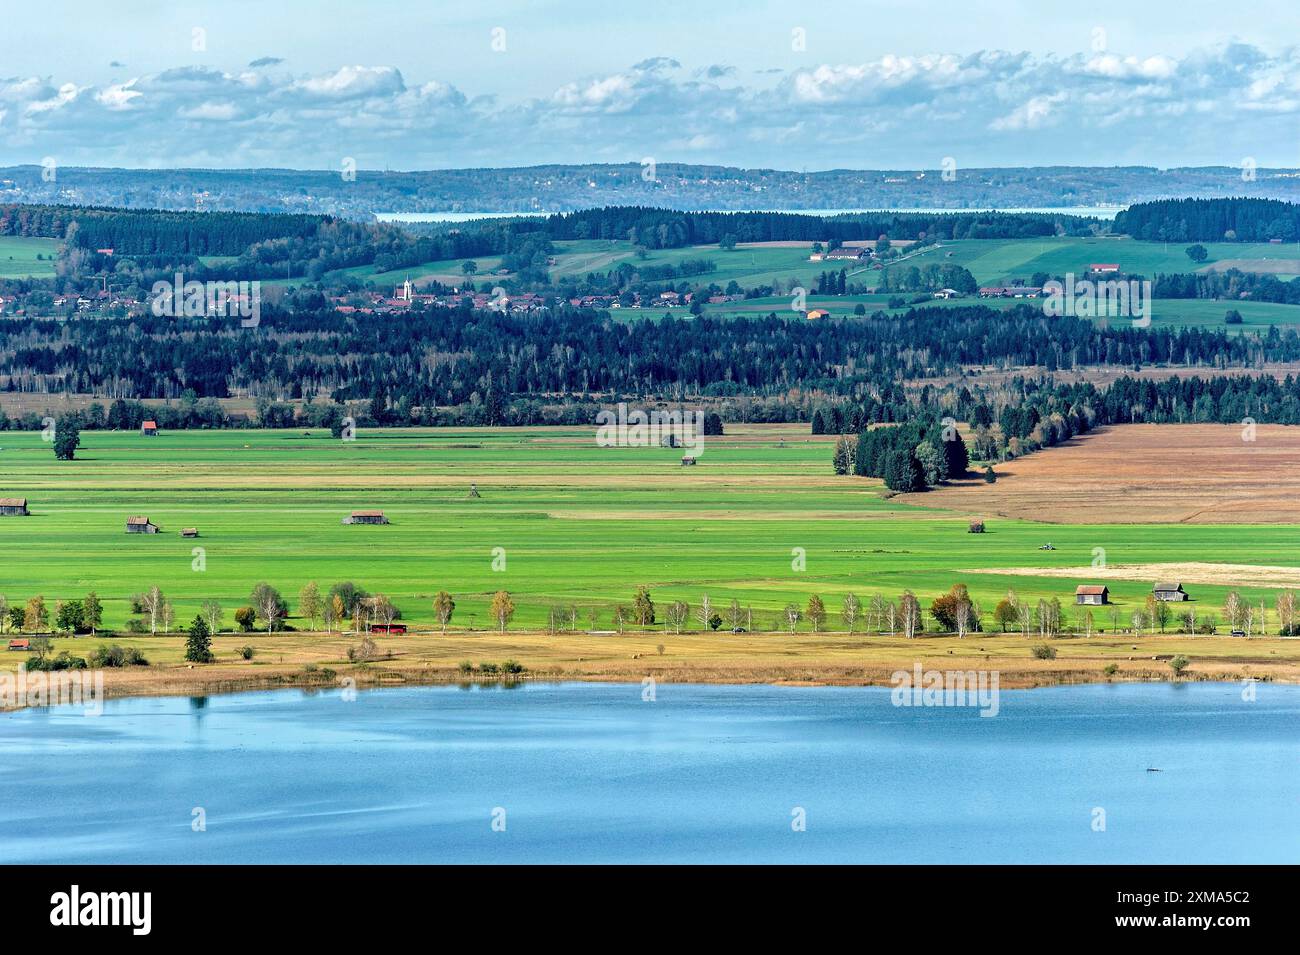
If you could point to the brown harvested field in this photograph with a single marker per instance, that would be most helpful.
(1188, 572)
(1142, 474)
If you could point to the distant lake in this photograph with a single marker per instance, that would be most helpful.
(591, 773)
(1096, 212)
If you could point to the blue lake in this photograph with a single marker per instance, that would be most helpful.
(592, 773)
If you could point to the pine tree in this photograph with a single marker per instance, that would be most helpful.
(198, 645)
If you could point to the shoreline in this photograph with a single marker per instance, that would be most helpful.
(304, 661)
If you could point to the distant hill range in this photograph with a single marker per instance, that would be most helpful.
(362, 194)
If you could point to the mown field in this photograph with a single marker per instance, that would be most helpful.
(578, 525)
(18, 257)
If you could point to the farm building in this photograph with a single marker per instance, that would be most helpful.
(366, 517)
(22, 643)
(1089, 594)
(189, 532)
(818, 313)
(13, 507)
(687, 461)
(1103, 268)
(393, 628)
(140, 525)
(149, 428)
(1169, 592)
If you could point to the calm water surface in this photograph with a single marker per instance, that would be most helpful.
(591, 773)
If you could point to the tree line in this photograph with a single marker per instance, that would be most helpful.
(1211, 220)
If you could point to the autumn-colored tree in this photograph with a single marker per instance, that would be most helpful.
(36, 616)
(443, 608)
(309, 603)
(502, 609)
(945, 608)
(816, 613)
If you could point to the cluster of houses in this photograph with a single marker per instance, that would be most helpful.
(844, 253)
(1096, 595)
(405, 298)
(1032, 291)
(1010, 291)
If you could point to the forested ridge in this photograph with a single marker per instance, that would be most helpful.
(1211, 220)
(153, 232)
(442, 356)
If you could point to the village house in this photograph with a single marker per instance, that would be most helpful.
(1104, 268)
(1010, 291)
(818, 313)
(149, 428)
(1092, 595)
(366, 517)
(1170, 592)
(13, 507)
(947, 293)
(140, 525)
(189, 532)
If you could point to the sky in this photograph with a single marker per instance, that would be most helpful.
(770, 83)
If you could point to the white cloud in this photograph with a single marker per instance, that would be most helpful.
(1208, 105)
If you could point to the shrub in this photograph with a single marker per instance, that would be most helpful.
(487, 668)
(367, 651)
(1111, 669)
(512, 666)
(989, 476)
(246, 652)
(116, 656)
(465, 666)
(1042, 651)
(246, 617)
(1178, 664)
(64, 661)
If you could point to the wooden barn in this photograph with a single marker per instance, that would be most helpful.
(393, 628)
(21, 643)
(366, 517)
(149, 429)
(1091, 595)
(189, 532)
(140, 525)
(1171, 593)
(13, 507)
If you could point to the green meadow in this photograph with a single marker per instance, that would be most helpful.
(560, 520)
(19, 257)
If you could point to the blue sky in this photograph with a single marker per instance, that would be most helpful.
(781, 84)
